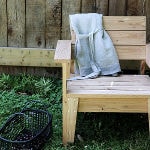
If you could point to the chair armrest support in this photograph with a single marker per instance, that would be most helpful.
(148, 54)
(63, 51)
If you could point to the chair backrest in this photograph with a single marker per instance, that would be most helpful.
(128, 34)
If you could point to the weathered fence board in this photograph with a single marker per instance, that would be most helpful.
(3, 23)
(40, 23)
(88, 6)
(117, 7)
(53, 22)
(68, 7)
(35, 23)
(102, 7)
(16, 22)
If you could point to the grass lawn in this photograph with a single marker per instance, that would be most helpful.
(95, 131)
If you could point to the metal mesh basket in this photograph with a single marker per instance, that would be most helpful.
(26, 130)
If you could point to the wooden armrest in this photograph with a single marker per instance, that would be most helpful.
(148, 54)
(63, 51)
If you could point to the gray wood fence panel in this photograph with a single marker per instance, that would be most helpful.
(40, 23)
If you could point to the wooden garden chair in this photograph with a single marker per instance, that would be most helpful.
(126, 93)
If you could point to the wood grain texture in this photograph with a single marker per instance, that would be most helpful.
(102, 7)
(148, 55)
(53, 22)
(38, 57)
(35, 23)
(125, 23)
(63, 51)
(128, 37)
(135, 7)
(68, 7)
(124, 85)
(88, 6)
(16, 23)
(3, 23)
(117, 7)
(128, 105)
(147, 20)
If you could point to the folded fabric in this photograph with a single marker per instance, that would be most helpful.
(94, 51)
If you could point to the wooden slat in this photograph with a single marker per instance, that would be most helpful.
(136, 7)
(3, 23)
(148, 55)
(63, 51)
(35, 23)
(27, 57)
(69, 7)
(123, 85)
(128, 37)
(147, 5)
(88, 6)
(113, 105)
(117, 7)
(53, 22)
(71, 118)
(124, 23)
(131, 52)
(102, 7)
(16, 23)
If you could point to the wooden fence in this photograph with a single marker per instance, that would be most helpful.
(40, 23)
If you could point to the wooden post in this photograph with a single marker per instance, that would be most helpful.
(70, 110)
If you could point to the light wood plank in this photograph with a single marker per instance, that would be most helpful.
(131, 52)
(110, 94)
(3, 23)
(63, 51)
(71, 118)
(113, 105)
(27, 57)
(128, 37)
(133, 23)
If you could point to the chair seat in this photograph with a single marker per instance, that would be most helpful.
(105, 86)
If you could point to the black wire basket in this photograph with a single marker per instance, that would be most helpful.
(26, 130)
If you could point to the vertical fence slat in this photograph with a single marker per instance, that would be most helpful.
(117, 7)
(53, 22)
(35, 28)
(3, 23)
(148, 20)
(102, 7)
(68, 7)
(16, 23)
(35, 23)
(135, 7)
(88, 6)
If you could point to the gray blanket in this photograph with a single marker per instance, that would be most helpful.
(94, 53)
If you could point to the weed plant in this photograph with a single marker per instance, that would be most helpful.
(94, 131)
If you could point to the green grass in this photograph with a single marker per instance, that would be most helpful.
(99, 131)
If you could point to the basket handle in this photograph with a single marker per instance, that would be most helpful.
(33, 102)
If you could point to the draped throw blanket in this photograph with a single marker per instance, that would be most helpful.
(94, 51)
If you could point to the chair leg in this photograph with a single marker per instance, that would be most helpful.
(70, 108)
